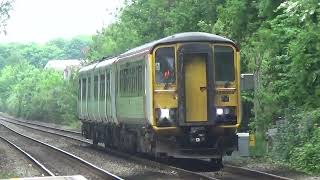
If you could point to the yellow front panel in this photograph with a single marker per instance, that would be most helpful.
(195, 88)
(165, 100)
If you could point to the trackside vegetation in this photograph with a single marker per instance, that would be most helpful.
(37, 94)
(279, 42)
(29, 91)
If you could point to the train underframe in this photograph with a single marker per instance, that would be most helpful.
(191, 142)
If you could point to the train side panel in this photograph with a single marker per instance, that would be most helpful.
(113, 93)
(130, 92)
(102, 94)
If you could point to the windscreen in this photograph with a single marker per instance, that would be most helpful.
(224, 63)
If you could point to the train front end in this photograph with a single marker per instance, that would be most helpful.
(195, 97)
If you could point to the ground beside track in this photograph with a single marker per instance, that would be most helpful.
(54, 125)
(15, 164)
(261, 164)
(256, 164)
(120, 166)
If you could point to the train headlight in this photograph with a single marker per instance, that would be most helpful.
(165, 113)
(219, 111)
(172, 113)
(165, 117)
(226, 115)
(226, 111)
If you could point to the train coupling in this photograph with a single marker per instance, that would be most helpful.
(197, 135)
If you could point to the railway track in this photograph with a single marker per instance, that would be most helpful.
(41, 125)
(43, 169)
(229, 172)
(57, 160)
(245, 173)
(175, 173)
(51, 130)
(204, 172)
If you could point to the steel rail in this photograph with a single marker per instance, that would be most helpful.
(40, 125)
(125, 155)
(228, 168)
(97, 170)
(34, 160)
(58, 131)
(253, 173)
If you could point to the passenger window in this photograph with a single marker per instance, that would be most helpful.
(84, 88)
(140, 80)
(108, 85)
(102, 87)
(165, 65)
(125, 82)
(89, 88)
(79, 90)
(95, 88)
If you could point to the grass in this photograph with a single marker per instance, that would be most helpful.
(6, 175)
(74, 124)
(260, 149)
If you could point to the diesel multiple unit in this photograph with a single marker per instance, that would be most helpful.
(175, 97)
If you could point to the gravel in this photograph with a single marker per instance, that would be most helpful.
(44, 123)
(262, 165)
(131, 170)
(58, 163)
(15, 164)
(117, 165)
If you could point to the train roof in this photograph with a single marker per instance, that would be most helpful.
(148, 47)
(97, 65)
(87, 68)
(180, 37)
(105, 62)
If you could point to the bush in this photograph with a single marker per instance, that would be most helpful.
(307, 157)
(298, 141)
(38, 94)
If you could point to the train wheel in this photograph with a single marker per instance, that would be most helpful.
(107, 138)
(132, 139)
(216, 163)
(95, 137)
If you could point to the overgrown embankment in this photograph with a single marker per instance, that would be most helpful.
(38, 94)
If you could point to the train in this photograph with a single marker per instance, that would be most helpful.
(178, 97)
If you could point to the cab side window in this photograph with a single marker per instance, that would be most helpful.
(165, 65)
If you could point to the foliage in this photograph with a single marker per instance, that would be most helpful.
(7, 175)
(37, 94)
(143, 21)
(298, 140)
(39, 54)
(307, 156)
(280, 43)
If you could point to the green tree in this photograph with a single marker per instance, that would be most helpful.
(279, 42)
(39, 54)
(143, 21)
(38, 94)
